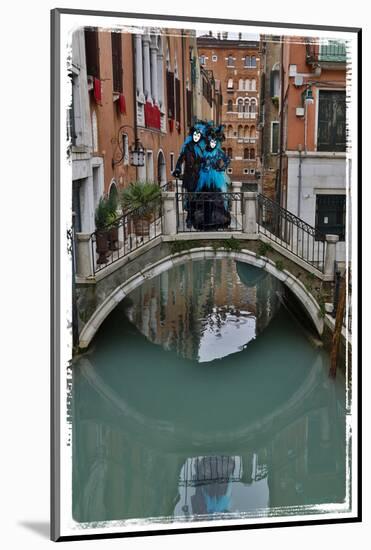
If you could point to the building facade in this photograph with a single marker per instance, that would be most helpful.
(313, 165)
(131, 90)
(235, 64)
(269, 119)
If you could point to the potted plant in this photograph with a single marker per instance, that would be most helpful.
(113, 230)
(101, 232)
(141, 200)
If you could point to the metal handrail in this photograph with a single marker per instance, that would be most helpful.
(291, 232)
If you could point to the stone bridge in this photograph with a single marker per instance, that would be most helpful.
(99, 289)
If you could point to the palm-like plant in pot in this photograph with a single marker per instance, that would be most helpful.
(101, 231)
(141, 201)
(113, 229)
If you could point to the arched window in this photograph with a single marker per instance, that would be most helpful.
(230, 152)
(246, 154)
(230, 131)
(252, 153)
(253, 85)
(252, 132)
(240, 131)
(241, 84)
(240, 108)
(247, 85)
(253, 61)
(230, 61)
(247, 132)
(247, 105)
(253, 106)
(230, 106)
(230, 84)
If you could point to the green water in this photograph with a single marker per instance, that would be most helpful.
(201, 395)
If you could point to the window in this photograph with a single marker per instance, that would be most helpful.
(171, 162)
(214, 58)
(230, 152)
(252, 154)
(241, 84)
(331, 121)
(253, 61)
(248, 61)
(275, 137)
(230, 106)
(202, 60)
(253, 107)
(230, 61)
(125, 148)
(246, 154)
(177, 100)
(240, 132)
(240, 106)
(252, 170)
(245, 170)
(229, 170)
(230, 131)
(247, 85)
(247, 132)
(189, 95)
(253, 85)
(330, 215)
(92, 52)
(230, 84)
(170, 94)
(116, 62)
(275, 83)
(252, 132)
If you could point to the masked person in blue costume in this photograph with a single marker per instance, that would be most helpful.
(191, 155)
(211, 210)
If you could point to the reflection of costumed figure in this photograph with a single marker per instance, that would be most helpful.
(211, 211)
(191, 154)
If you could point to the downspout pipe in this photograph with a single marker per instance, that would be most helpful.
(299, 180)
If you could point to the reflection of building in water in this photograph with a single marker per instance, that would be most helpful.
(202, 309)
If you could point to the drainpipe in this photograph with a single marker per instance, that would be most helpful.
(299, 180)
(134, 96)
(183, 85)
(279, 190)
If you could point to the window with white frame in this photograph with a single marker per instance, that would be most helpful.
(253, 85)
(248, 61)
(253, 61)
(229, 170)
(202, 60)
(230, 61)
(240, 105)
(245, 170)
(230, 106)
(247, 84)
(252, 170)
(241, 84)
(214, 58)
(230, 84)
(125, 149)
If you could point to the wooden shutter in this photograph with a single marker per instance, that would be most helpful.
(92, 52)
(177, 99)
(189, 108)
(170, 94)
(116, 61)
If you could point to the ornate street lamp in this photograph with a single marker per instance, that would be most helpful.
(137, 154)
(136, 149)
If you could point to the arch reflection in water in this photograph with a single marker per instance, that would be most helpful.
(205, 310)
(144, 420)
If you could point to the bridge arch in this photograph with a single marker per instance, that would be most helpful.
(202, 253)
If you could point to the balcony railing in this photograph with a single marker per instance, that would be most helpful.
(332, 52)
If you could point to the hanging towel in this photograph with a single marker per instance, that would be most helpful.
(97, 91)
(122, 104)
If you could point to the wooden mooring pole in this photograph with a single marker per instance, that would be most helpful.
(338, 326)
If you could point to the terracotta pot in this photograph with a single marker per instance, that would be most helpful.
(102, 246)
(113, 237)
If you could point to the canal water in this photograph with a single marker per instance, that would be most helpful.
(202, 397)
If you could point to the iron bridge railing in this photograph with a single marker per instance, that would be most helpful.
(291, 232)
(208, 211)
